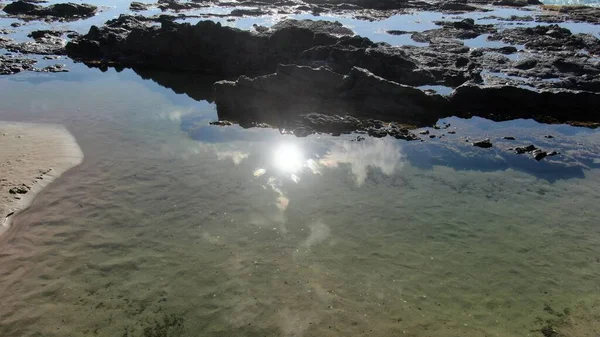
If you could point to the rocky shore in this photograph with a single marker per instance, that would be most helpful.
(279, 75)
(300, 67)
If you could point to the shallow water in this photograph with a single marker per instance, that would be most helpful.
(233, 231)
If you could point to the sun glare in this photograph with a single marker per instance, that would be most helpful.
(288, 158)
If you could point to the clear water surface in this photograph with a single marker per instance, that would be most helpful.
(172, 227)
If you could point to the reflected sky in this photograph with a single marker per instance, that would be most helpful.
(452, 147)
(578, 146)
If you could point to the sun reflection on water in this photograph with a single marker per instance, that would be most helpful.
(288, 158)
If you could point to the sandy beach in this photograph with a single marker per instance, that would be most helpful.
(31, 157)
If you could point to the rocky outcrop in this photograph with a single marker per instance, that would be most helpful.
(464, 29)
(392, 63)
(294, 91)
(205, 47)
(12, 65)
(139, 6)
(571, 13)
(549, 38)
(327, 68)
(45, 42)
(62, 10)
(516, 3)
(177, 5)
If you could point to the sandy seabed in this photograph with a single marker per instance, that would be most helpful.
(31, 157)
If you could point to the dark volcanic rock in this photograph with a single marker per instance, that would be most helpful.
(576, 72)
(22, 7)
(42, 34)
(209, 47)
(516, 3)
(57, 68)
(11, 65)
(524, 18)
(46, 42)
(248, 12)
(465, 29)
(391, 63)
(398, 32)
(176, 5)
(70, 9)
(317, 27)
(62, 10)
(295, 91)
(331, 50)
(571, 13)
(549, 38)
(139, 6)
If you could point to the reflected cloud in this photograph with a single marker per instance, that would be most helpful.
(313, 166)
(236, 156)
(383, 154)
(175, 115)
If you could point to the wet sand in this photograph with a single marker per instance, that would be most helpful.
(31, 157)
